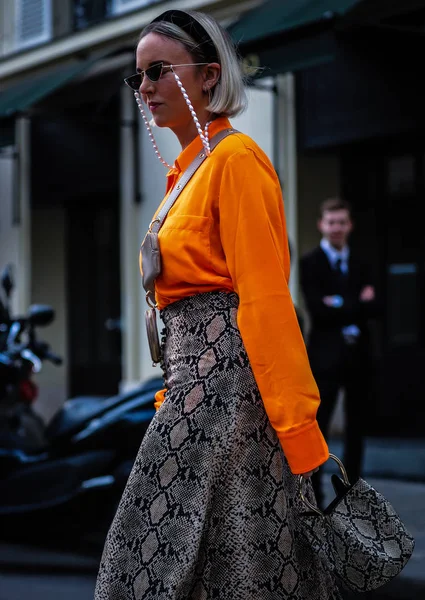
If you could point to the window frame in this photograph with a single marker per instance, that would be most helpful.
(118, 7)
(45, 35)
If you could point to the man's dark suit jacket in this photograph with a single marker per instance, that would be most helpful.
(327, 350)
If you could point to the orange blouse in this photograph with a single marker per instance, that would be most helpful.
(227, 232)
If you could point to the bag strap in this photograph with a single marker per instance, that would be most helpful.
(187, 175)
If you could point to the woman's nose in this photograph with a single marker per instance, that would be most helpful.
(145, 86)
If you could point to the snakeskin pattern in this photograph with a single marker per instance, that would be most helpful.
(362, 539)
(211, 508)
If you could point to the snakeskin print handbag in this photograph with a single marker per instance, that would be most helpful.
(359, 536)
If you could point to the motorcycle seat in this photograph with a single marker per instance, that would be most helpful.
(81, 409)
(74, 412)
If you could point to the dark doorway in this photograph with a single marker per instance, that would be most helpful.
(94, 296)
(385, 183)
(76, 167)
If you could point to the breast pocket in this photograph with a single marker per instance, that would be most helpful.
(185, 246)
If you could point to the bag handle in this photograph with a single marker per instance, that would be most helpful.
(301, 482)
(156, 224)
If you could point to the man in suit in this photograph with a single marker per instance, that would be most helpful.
(340, 298)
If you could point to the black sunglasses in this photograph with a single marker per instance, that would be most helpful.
(153, 73)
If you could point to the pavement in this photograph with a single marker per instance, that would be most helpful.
(52, 586)
(391, 458)
(396, 468)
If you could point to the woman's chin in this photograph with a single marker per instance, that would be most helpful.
(156, 121)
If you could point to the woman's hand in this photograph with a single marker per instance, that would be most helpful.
(309, 473)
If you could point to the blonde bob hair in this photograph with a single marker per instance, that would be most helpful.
(228, 98)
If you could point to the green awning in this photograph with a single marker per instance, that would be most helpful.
(283, 16)
(20, 96)
(289, 35)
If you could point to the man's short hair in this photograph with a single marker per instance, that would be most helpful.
(332, 204)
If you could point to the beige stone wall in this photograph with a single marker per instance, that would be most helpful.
(9, 233)
(318, 179)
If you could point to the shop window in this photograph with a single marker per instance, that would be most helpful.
(402, 304)
(401, 175)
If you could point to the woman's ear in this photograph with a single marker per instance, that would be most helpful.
(211, 76)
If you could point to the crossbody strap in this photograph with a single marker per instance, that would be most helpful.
(187, 175)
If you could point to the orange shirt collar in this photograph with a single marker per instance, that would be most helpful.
(185, 158)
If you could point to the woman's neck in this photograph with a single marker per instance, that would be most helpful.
(189, 132)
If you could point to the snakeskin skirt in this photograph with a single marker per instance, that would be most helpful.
(211, 508)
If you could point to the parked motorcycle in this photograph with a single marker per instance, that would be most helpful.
(62, 479)
(21, 357)
(70, 490)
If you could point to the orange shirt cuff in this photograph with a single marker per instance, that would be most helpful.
(304, 450)
(159, 398)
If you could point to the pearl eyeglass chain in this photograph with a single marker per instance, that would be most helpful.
(202, 134)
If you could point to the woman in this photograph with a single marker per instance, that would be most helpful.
(211, 507)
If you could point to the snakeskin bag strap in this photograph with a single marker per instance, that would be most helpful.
(150, 251)
(359, 536)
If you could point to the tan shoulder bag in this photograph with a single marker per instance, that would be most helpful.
(150, 251)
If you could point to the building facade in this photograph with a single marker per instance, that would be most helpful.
(79, 180)
(336, 104)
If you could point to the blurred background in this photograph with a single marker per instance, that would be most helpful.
(335, 101)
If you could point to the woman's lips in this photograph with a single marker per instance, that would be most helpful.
(153, 106)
